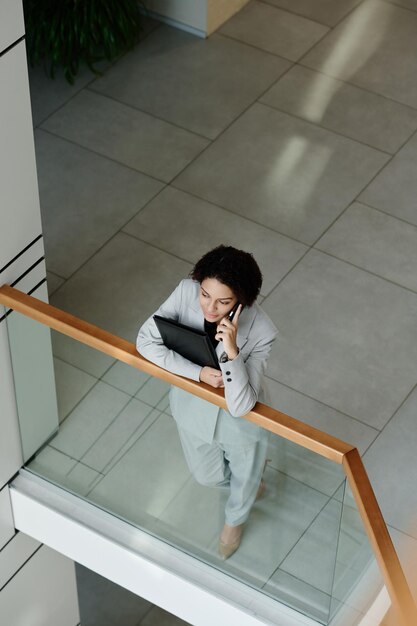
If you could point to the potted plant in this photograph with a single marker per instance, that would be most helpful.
(66, 33)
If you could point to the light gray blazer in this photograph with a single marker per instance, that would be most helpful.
(243, 377)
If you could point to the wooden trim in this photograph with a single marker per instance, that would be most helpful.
(279, 423)
(380, 539)
(123, 350)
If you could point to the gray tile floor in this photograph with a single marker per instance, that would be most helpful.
(290, 132)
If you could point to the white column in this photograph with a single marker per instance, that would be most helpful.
(37, 585)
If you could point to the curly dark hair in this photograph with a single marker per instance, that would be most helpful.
(232, 267)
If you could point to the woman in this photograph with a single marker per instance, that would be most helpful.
(220, 448)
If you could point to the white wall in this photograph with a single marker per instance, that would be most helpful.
(20, 217)
(190, 13)
(11, 23)
(37, 594)
(201, 17)
(37, 585)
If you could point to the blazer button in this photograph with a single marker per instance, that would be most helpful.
(227, 373)
(229, 380)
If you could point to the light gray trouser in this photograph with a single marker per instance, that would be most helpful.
(222, 465)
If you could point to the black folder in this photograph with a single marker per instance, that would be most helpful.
(189, 342)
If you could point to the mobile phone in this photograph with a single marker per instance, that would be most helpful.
(231, 313)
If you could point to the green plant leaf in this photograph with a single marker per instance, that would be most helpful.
(67, 33)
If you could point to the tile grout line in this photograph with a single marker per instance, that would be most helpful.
(259, 49)
(104, 244)
(313, 247)
(349, 13)
(102, 156)
(238, 117)
(361, 191)
(400, 406)
(71, 458)
(329, 406)
(299, 62)
(384, 212)
(329, 26)
(293, 13)
(132, 107)
(238, 215)
(55, 274)
(354, 199)
(221, 35)
(129, 401)
(106, 428)
(403, 532)
(400, 6)
(327, 128)
(80, 461)
(309, 486)
(287, 274)
(79, 401)
(87, 84)
(388, 280)
(218, 206)
(110, 466)
(152, 245)
(80, 369)
(359, 88)
(100, 380)
(315, 517)
(39, 124)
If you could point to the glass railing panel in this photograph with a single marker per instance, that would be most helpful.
(357, 579)
(31, 356)
(118, 447)
(307, 570)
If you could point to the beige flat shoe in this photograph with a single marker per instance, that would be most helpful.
(232, 536)
(227, 549)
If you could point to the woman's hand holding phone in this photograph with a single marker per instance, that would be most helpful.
(227, 333)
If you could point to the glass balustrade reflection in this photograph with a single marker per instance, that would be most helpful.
(118, 447)
(357, 581)
(33, 371)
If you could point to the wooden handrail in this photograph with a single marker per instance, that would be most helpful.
(123, 350)
(268, 418)
(380, 539)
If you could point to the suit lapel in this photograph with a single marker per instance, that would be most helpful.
(245, 324)
(197, 315)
